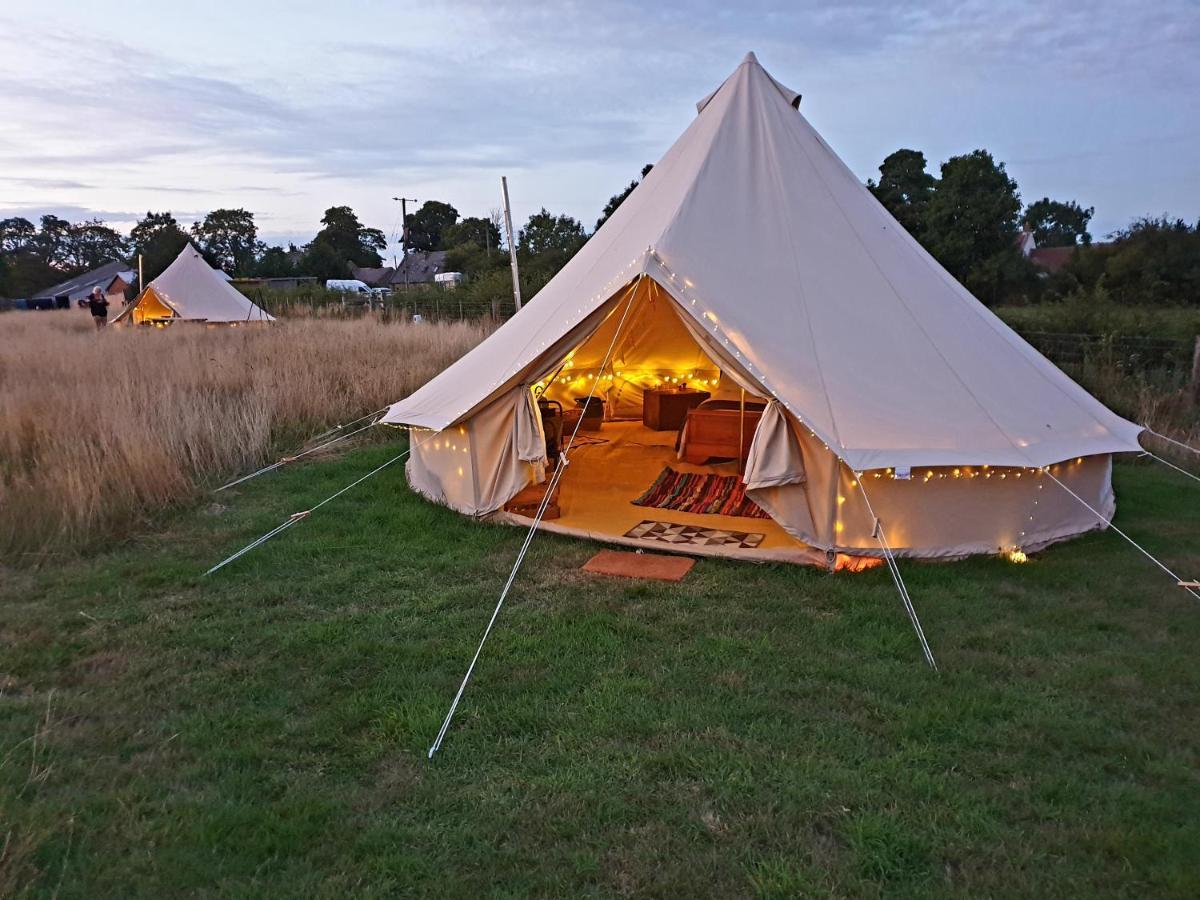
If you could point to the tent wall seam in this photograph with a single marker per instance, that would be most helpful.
(812, 338)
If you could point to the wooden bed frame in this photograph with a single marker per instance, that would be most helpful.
(714, 432)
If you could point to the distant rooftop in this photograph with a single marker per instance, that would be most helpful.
(1051, 258)
(81, 285)
(419, 267)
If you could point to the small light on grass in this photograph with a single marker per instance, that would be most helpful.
(1017, 556)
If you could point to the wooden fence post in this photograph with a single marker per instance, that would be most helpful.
(1196, 372)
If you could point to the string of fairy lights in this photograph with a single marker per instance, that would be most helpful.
(567, 376)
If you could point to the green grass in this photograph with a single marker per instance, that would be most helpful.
(755, 730)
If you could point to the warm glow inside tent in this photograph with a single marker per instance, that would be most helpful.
(193, 291)
(783, 370)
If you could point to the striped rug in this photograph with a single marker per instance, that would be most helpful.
(705, 494)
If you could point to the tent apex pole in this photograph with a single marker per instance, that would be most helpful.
(512, 245)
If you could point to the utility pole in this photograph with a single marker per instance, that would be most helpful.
(512, 245)
(404, 201)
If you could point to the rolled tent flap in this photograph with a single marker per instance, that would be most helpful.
(793, 477)
(477, 466)
(531, 436)
(774, 458)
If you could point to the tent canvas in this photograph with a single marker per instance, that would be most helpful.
(768, 262)
(191, 290)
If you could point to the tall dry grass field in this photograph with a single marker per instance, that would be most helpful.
(97, 430)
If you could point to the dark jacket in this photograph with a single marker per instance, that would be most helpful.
(98, 306)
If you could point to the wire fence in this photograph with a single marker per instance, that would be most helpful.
(1169, 362)
(430, 304)
(1125, 353)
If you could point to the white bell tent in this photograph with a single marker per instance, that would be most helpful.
(190, 290)
(752, 262)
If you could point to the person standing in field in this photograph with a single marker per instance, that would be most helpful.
(98, 304)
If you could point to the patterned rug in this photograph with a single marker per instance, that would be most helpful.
(673, 533)
(704, 494)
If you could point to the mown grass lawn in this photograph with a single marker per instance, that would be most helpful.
(755, 730)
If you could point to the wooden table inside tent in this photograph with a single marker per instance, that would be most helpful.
(665, 410)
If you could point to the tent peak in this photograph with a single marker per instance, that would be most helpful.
(751, 60)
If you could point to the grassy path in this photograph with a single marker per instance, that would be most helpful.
(756, 730)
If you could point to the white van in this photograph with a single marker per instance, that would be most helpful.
(347, 286)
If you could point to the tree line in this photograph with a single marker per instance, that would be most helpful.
(36, 256)
(968, 216)
(33, 257)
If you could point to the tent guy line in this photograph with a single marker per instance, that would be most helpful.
(894, 568)
(1108, 522)
(283, 461)
(1163, 437)
(329, 431)
(304, 514)
(864, 357)
(537, 520)
(1171, 465)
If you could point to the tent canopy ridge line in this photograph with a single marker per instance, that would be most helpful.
(797, 269)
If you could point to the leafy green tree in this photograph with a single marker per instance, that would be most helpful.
(159, 240)
(1058, 224)
(53, 243)
(1154, 261)
(548, 233)
(425, 227)
(323, 261)
(22, 269)
(905, 189)
(616, 200)
(16, 235)
(229, 240)
(37, 257)
(473, 231)
(345, 238)
(275, 262)
(971, 222)
(92, 244)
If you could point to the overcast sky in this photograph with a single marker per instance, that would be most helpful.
(113, 108)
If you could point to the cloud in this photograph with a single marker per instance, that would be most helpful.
(76, 213)
(450, 96)
(45, 183)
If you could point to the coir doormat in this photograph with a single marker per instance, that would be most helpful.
(704, 494)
